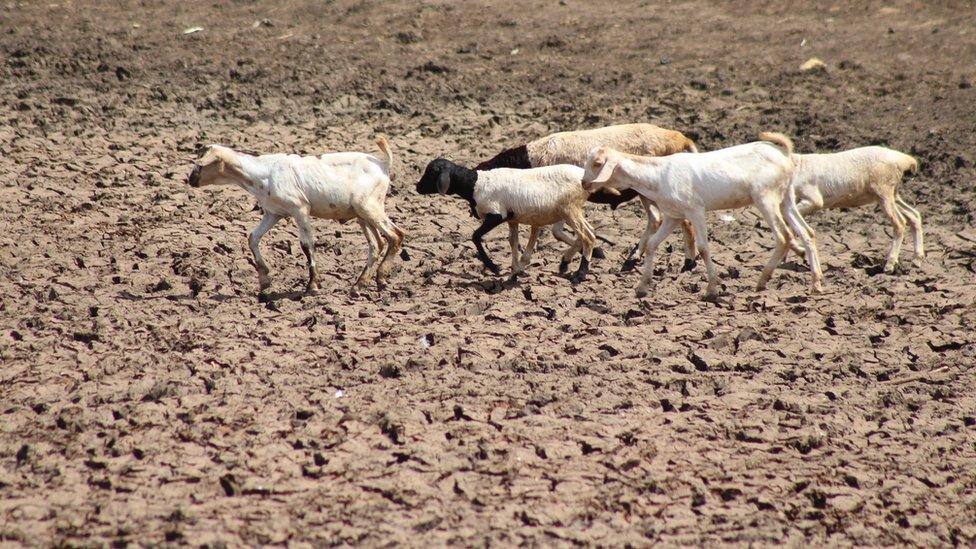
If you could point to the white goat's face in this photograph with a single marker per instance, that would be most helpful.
(598, 171)
(211, 169)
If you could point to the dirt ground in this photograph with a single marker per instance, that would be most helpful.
(149, 398)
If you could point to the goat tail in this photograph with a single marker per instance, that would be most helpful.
(778, 139)
(384, 146)
(690, 146)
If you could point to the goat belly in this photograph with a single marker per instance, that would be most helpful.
(723, 197)
(535, 218)
(340, 212)
(335, 203)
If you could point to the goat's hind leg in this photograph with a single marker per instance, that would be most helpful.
(307, 239)
(526, 258)
(394, 240)
(890, 208)
(782, 235)
(575, 247)
(586, 239)
(915, 220)
(373, 243)
(802, 230)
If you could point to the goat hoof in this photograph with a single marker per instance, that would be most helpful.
(263, 297)
(577, 278)
(563, 267)
(629, 265)
(641, 293)
(689, 265)
(404, 255)
(711, 297)
(598, 253)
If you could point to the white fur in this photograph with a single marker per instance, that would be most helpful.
(857, 177)
(533, 196)
(685, 186)
(339, 186)
(571, 147)
(536, 197)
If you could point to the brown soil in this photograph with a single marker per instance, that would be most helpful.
(148, 397)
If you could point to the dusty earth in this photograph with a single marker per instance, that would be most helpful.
(148, 398)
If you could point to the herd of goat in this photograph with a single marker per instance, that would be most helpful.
(550, 180)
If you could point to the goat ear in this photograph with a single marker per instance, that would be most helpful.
(605, 172)
(611, 190)
(444, 183)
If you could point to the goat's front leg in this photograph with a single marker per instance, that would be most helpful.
(697, 220)
(490, 222)
(307, 239)
(253, 239)
(513, 242)
(653, 222)
(691, 246)
(667, 225)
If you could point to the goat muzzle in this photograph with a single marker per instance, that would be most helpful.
(194, 178)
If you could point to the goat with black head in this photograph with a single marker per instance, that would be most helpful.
(535, 197)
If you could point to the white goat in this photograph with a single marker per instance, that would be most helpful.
(685, 186)
(857, 177)
(340, 186)
(572, 147)
(535, 197)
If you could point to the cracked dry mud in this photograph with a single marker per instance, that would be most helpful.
(147, 396)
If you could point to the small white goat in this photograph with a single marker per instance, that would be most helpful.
(340, 186)
(857, 177)
(685, 186)
(535, 197)
(572, 147)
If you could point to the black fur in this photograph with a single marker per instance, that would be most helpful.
(491, 221)
(584, 268)
(194, 178)
(516, 157)
(602, 197)
(462, 180)
(563, 266)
